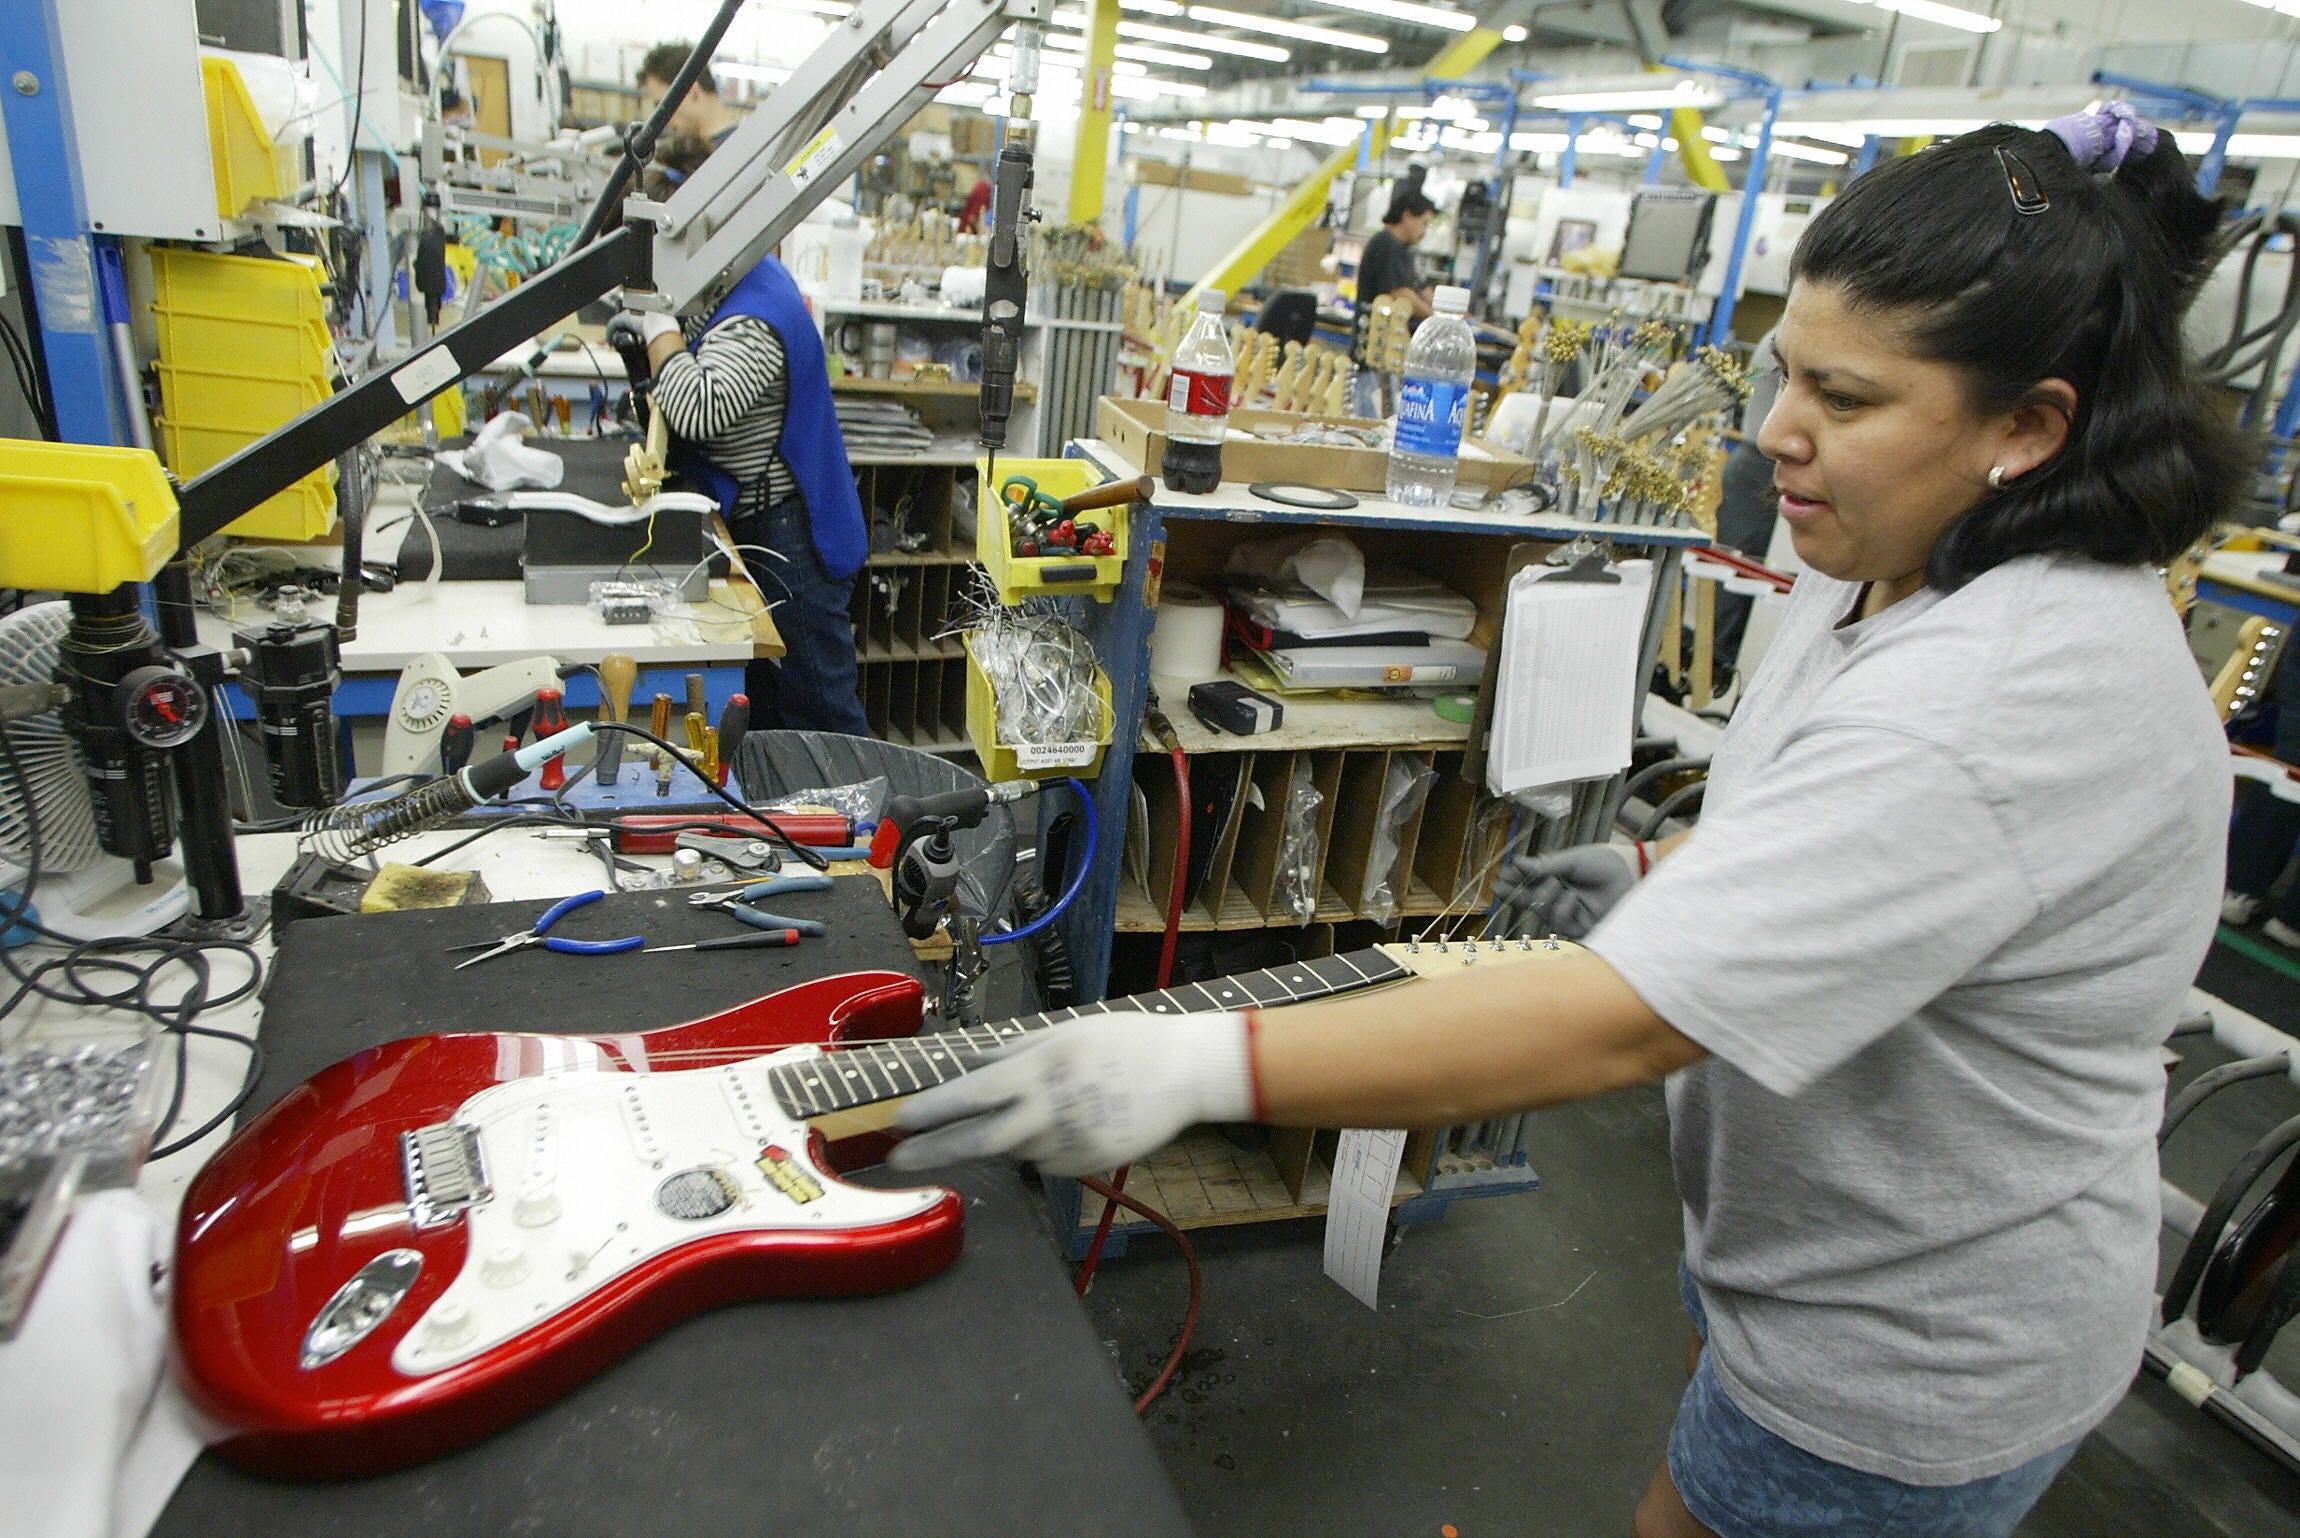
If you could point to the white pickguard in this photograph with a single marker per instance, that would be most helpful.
(577, 1160)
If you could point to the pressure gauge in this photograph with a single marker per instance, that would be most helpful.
(162, 707)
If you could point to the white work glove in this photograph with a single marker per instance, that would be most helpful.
(653, 324)
(1566, 893)
(1088, 1095)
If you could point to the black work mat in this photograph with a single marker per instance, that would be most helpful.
(979, 1402)
(470, 552)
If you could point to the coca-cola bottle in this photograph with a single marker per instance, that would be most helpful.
(1198, 400)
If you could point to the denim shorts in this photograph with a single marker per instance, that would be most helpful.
(1742, 1481)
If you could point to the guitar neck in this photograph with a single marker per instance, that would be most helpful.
(851, 1090)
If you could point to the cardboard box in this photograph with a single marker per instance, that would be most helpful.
(1137, 429)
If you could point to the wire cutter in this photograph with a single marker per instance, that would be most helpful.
(539, 936)
(738, 903)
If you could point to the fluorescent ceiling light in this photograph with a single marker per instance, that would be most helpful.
(1335, 131)
(1151, 87)
(1075, 21)
(2245, 146)
(1514, 34)
(1401, 10)
(1644, 120)
(1152, 7)
(1850, 133)
(1716, 135)
(1942, 15)
(1722, 153)
(1373, 114)
(1215, 15)
(810, 7)
(1070, 44)
(1686, 92)
(1821, 157)
(1851, 136)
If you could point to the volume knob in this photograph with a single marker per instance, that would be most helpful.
(537, 1207)
(505, 1265)
(448, 1323)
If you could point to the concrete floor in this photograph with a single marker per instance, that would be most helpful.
(1527, 1359)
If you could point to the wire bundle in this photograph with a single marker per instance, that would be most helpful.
(1043, 672)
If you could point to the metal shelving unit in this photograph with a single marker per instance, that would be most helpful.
(1206, 1179)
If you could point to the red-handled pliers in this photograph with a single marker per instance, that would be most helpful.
(538, 936)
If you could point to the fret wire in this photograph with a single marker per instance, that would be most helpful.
(1207, 994)
(870, 1060)
(852, 1064)
(916, 1083)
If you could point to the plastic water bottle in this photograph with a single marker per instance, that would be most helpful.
(1433, 401)
(1198, 400)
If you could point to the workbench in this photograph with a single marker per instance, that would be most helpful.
(479, 624)
(979, 1402)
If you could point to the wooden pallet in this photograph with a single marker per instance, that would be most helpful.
(1203, 1180)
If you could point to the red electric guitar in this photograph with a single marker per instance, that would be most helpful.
(435, 1237)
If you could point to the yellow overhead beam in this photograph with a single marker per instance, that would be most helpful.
(1090, 160)
(1693, 150)
(1246, 260)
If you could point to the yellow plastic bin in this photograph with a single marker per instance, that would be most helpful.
(248, 165)
(244, 288)
(269, 349)
(77, 518)
(242, 403)
(1065, 576)
(304, 511)
(1001, 761)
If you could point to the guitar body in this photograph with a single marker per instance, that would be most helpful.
(435, 1237)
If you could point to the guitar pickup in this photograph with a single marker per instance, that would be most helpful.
(445, 1174)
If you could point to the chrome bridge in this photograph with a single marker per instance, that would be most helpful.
(445, 1174)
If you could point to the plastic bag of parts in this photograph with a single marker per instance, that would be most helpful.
(858, 803)
(1296, 890)
(1404, 788)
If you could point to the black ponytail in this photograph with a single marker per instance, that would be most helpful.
(2091, 289)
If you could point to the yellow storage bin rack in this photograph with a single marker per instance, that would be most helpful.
(247, 162)
(1001, 761)
(244, 349)
(79, 518)
(1064, 576)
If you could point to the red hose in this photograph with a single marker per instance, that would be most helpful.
(1174, 889)
(1114, 1199)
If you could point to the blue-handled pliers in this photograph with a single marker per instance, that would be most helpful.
(739, 903)
(539, 936)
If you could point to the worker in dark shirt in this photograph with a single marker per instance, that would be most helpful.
(1388, 268)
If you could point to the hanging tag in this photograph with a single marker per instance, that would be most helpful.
(1358, 1209)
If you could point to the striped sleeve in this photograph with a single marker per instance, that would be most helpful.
(706, 392)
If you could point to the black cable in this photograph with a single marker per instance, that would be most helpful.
(1669, 806)
(114, 956)
(807, 856)
(27, 376)
(358, 108)
(496, 825)
(639, 146)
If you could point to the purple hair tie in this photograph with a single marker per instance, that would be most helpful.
(2103, 134)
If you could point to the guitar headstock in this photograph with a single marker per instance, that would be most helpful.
(2245, 674)
(1449, 958)
(1387, 332)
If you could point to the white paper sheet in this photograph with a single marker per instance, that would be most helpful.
(1566, 694)
(1358, 1210)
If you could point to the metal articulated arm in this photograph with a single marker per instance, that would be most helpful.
(882, 63)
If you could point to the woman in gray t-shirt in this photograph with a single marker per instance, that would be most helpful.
(1959, 862)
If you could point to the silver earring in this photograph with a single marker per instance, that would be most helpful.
(1996, 477)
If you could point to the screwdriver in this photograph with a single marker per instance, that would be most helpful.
(660, 724)
(617, 673)
(732, 942)
(455, 743)
(734, 725)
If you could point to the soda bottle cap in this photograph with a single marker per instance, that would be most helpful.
(1450, 300)
(1212, 301)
